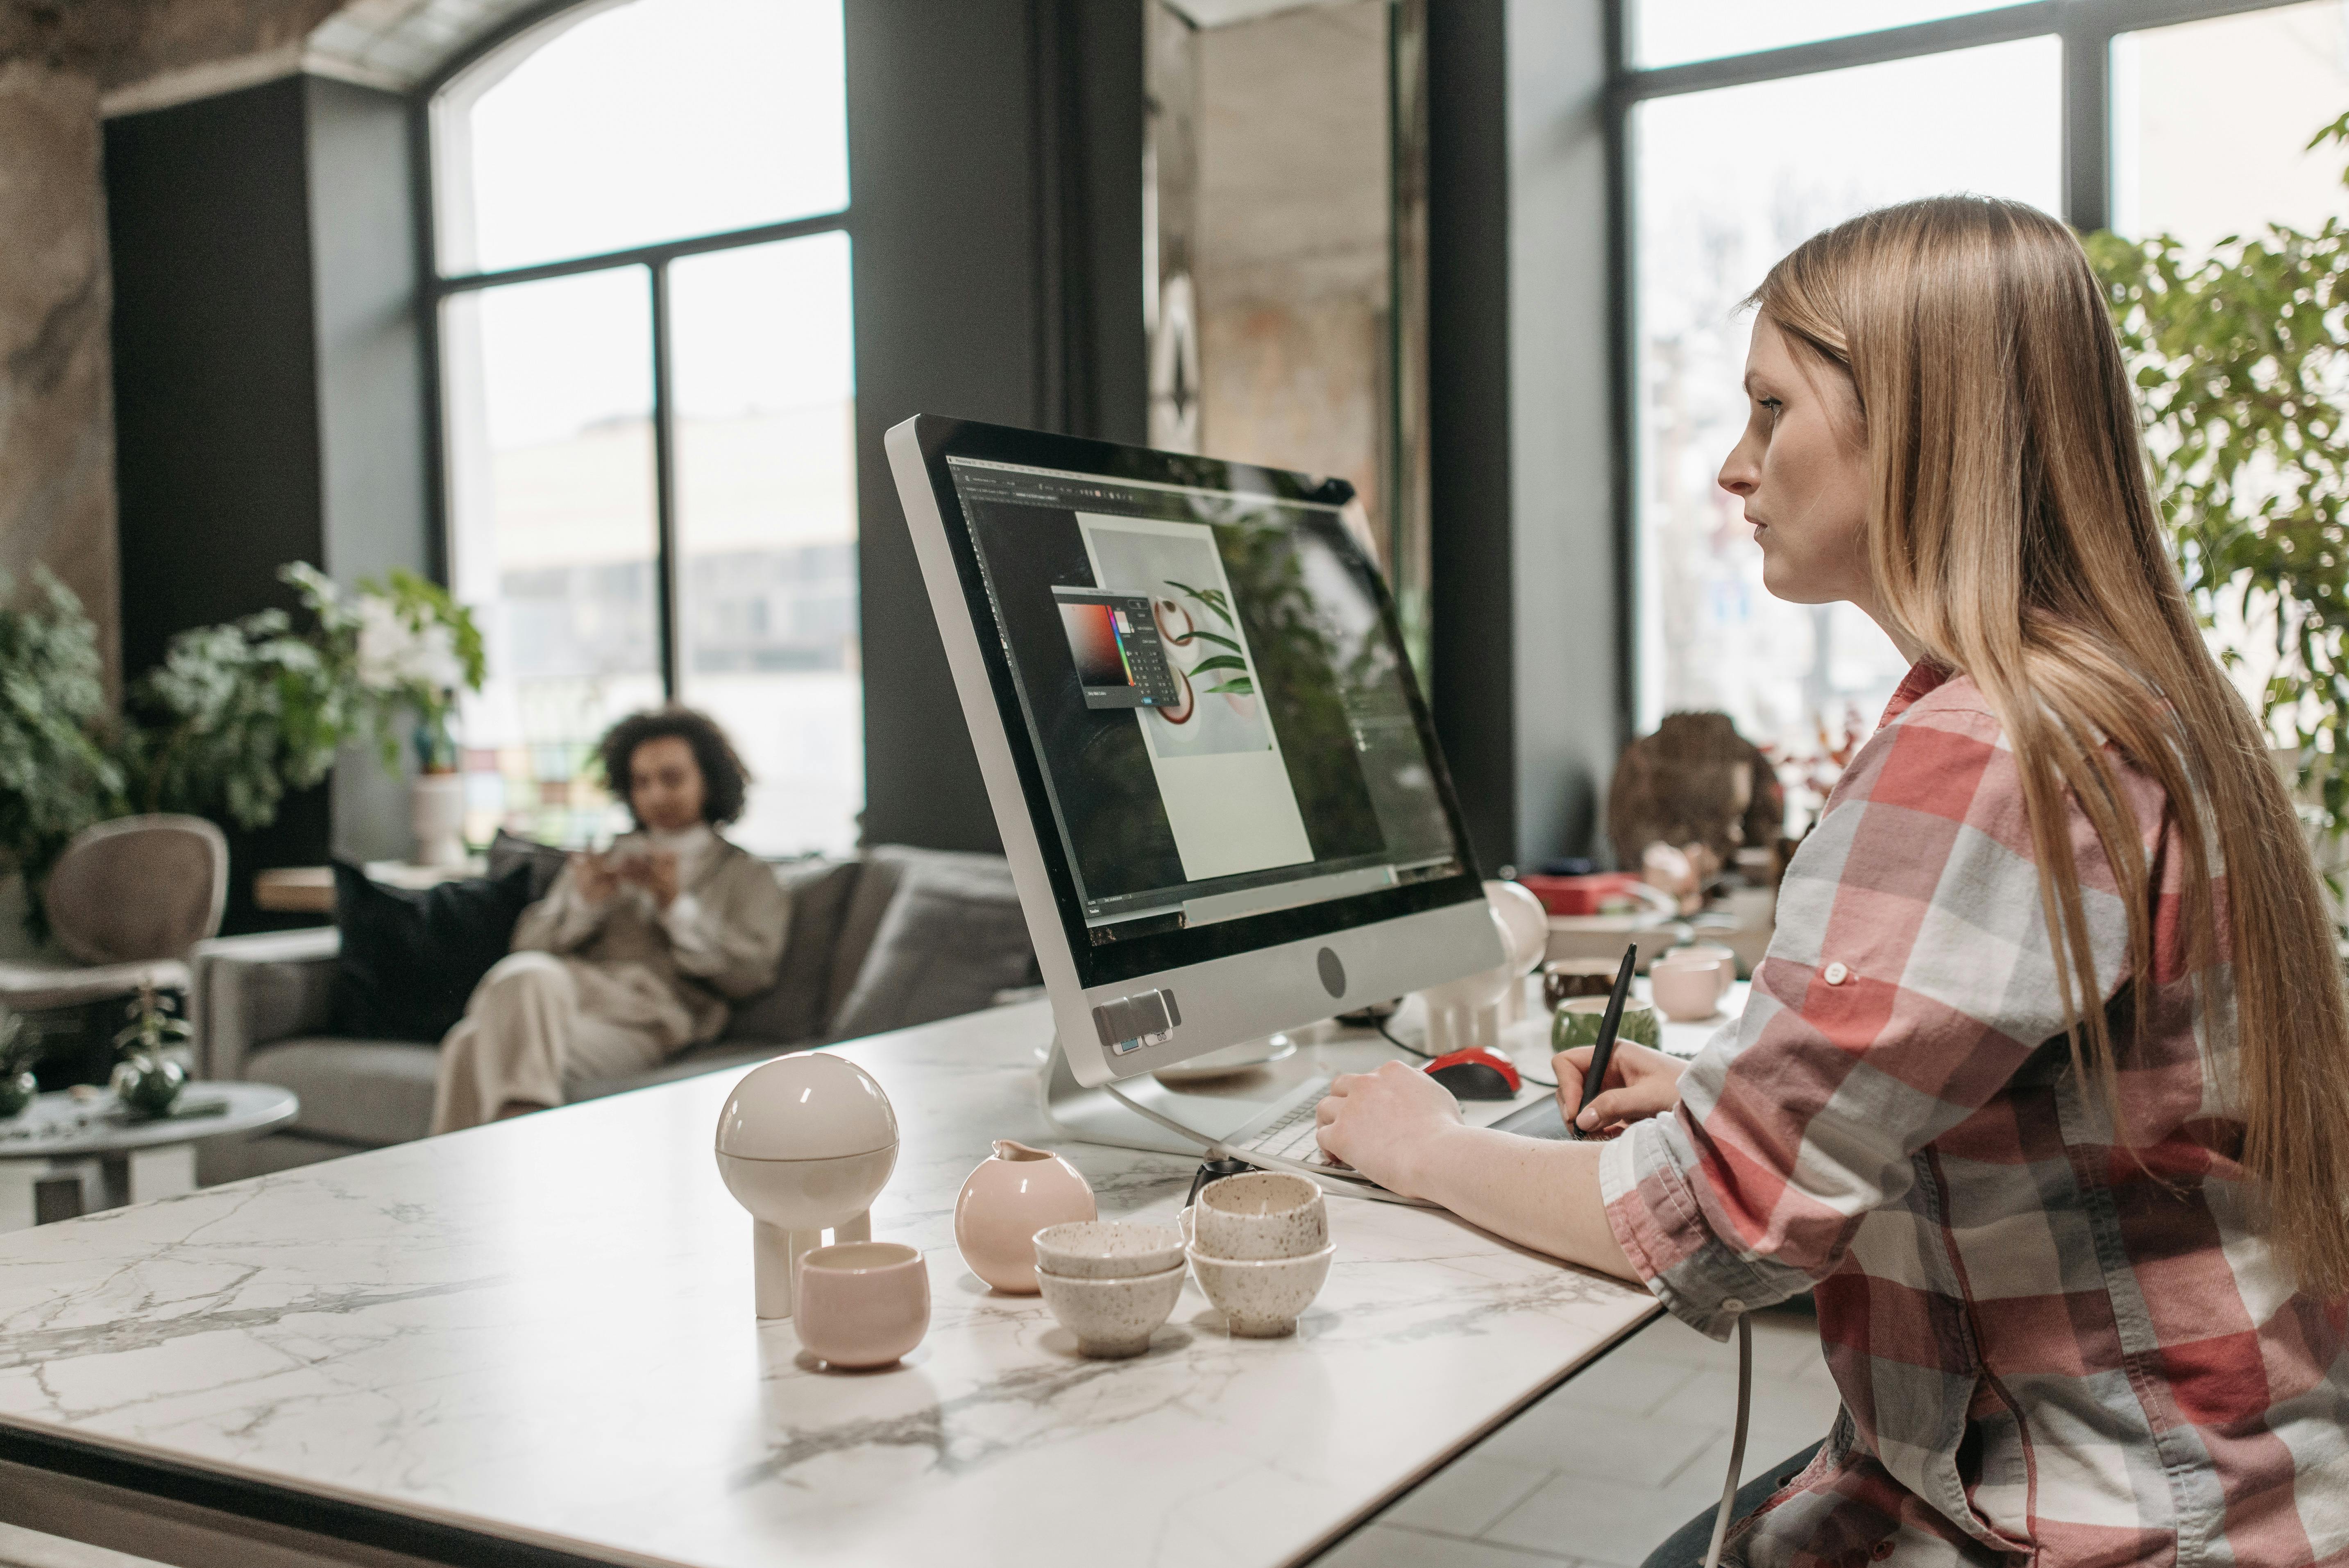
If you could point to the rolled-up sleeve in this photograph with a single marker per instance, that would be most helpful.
(1909, 978)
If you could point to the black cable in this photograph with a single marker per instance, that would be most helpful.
(1381, 1026)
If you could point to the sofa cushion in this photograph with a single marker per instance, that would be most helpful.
(369, 1092)
(953, 937)
(794, 1008)
(410, 959)
(547, 861)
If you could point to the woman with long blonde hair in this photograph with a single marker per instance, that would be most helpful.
(2044, 1086)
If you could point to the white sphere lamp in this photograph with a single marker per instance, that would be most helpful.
(1526, 924)
(805, 1142)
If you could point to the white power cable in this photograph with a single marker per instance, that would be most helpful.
(1736, 1443)
(1217, 1149)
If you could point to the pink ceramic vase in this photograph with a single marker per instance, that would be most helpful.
(1006, 1202)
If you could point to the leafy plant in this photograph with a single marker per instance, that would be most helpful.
(408, 647)
(234, 718)
(21, 1048)
(57, 773)
(1215, 601)
(2241, 360)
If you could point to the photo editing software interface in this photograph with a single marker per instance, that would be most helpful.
(1220, 715)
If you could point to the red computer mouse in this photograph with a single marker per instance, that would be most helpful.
(1476, 1074)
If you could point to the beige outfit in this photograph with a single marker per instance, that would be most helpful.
(600, 990)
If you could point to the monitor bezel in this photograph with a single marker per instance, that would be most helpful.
(1108, 963)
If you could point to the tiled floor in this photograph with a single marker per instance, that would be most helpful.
(1597, 1473)
(1619, 1458)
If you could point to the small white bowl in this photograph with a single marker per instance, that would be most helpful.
(1107, 1249)
(1112, 1318)
(1263, 1214)
(1260, 1298)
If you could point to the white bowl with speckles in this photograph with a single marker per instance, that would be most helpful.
(1112, 1318)
(1107, 1249)
(1261, 1298)
(1263, 1214)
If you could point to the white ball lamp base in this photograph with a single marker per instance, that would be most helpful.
(1525, 927)
(805, 1143)
(1466, 1012)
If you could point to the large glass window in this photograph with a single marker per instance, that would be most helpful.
(1729, 181)
(646, 333)
(1735, 155)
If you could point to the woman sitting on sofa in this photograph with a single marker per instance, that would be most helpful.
(634, 953)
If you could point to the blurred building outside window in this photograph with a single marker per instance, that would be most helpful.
(648, 394)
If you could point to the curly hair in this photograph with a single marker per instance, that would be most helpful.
(724, 779)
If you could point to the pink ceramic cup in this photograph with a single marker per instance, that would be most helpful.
(1686, 990)
(863, 1304)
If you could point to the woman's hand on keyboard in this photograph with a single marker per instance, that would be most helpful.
(1641, 1083)
(1383, 1123)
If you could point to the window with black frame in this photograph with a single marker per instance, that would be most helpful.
(641, 235)
(1745, 129)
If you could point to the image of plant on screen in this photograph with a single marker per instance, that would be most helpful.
(1177, 567)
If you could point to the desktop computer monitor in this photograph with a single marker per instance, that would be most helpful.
(1215, 778)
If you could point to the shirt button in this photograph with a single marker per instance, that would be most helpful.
(1837, 975)
(1880, 1551)
(1733, 1306)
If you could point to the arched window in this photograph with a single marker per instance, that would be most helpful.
(641, 232)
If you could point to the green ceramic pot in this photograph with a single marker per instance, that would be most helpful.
(16, 1093)
(148, 1085)
(1577, 1019)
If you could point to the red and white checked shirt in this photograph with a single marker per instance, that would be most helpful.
(2047, 1350)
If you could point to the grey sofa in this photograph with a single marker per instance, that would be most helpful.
(895, 937)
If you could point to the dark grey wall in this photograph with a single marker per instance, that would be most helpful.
(1565, 565)
(995, 158)
(1527, 684)
(1473, 686)
(215, 366)
(267, 399)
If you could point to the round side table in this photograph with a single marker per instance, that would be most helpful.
(65, 1155)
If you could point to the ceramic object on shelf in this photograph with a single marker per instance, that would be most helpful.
(863, 1304)
(436, 813)
(1015, 1193)
(1467, 1011)
(1686, 990)
(1261, 1298)
(805, 1142)
(1578, 1022)
(1525, 928)
(1264, 1214)
(1723, 960)
(147, 1085)
(1107, 1249)
(17, 1092)
(1112, 1318)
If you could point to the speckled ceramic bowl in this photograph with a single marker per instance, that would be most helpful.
(1107, 1249)
(1261, 1299)
(1112, 1317)
(1263, 1214)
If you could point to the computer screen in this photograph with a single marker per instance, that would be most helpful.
(1218, 709)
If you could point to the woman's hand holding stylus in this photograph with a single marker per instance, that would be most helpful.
(1641, 1083)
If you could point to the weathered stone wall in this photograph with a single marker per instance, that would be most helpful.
(56, 421)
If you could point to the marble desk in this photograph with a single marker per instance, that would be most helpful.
(534, 1342)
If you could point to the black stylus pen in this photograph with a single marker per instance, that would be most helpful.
(1594, 1077)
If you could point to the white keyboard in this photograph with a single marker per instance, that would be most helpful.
(1292, 1135)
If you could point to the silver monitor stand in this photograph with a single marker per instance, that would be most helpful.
(1094, 1116)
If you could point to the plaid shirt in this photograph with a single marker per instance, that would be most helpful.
(2046, 1349)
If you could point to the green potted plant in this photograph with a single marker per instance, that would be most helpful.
(20, 1049)
(2242, 362)
(58, 772)
(147, 1078)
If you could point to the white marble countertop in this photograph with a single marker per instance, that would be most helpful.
(543, 1331)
